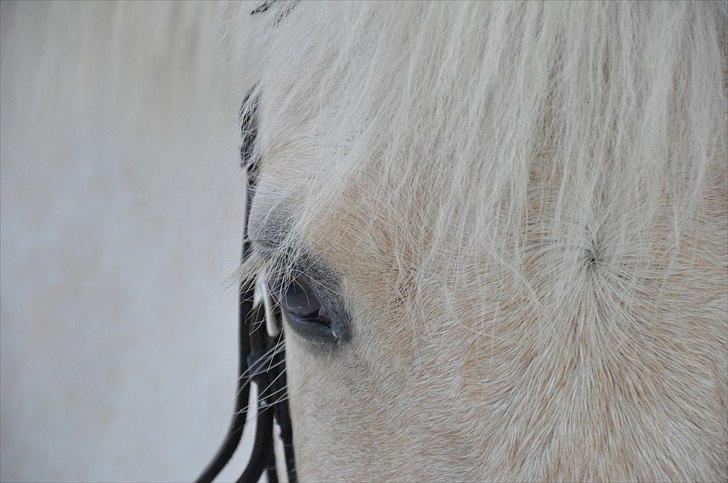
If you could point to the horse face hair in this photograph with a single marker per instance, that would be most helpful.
(526, 205)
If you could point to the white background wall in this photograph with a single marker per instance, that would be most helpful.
(120, 217)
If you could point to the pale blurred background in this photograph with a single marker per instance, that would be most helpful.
(120, 215)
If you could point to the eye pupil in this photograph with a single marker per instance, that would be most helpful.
(300, 300)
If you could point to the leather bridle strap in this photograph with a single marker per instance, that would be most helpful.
(261, 359)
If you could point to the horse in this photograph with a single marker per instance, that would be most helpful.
(494, 235)
(497, 235)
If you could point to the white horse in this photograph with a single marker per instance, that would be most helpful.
(507, 224)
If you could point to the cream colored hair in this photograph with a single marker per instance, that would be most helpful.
(539, 189)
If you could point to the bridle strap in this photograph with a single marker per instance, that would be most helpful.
(261, 359)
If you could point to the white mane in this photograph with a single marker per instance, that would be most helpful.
(517, 133)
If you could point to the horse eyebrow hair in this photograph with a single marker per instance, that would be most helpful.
(270, 231)
(284, 252)
(285, 261)
(264, 246)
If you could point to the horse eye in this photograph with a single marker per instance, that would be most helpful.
(305, 312)
(298, 299)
